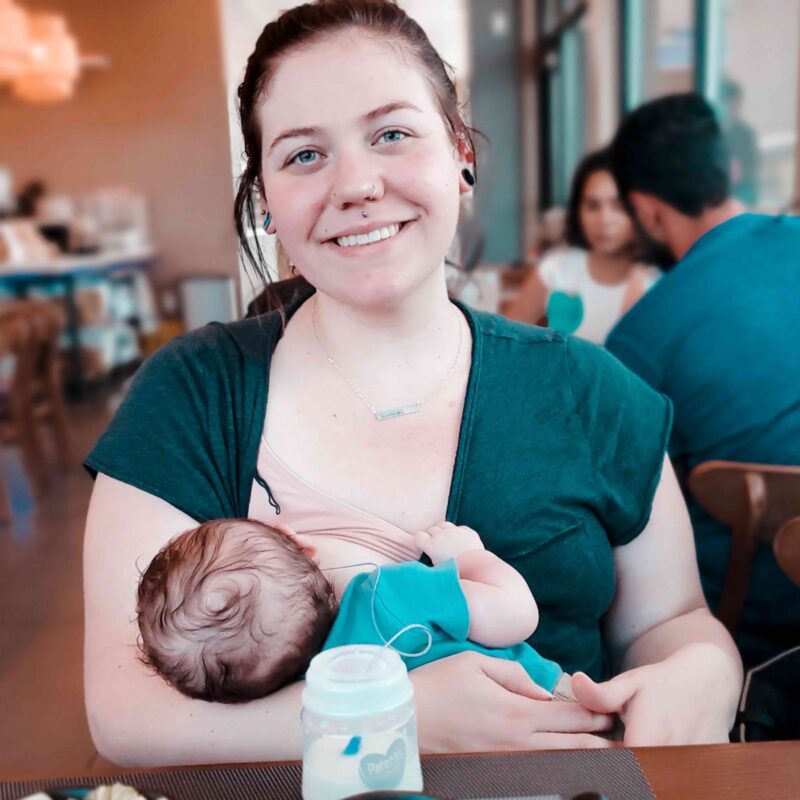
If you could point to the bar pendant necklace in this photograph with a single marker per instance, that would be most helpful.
(398, 411)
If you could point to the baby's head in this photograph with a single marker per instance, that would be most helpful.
(232, 610)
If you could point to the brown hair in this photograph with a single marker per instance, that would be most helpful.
(305, 24)
(204, 624)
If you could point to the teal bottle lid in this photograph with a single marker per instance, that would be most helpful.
(355, 680)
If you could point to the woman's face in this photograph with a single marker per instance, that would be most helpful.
(606, 226)
(345, 119)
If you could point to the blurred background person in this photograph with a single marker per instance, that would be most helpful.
(586, 287)
(742, 145)
(718, 334)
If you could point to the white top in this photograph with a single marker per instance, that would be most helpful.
(567, 271)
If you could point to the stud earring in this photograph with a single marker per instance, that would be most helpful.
(267, 220)
(468, 176)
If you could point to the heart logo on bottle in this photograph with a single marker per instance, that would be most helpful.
(384, 770)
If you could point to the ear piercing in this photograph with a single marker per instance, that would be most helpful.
(267, 220)
(468, 177)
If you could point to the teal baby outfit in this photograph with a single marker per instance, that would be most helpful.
(559, 454)
(379, 604)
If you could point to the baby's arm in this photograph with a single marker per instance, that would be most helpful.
(502, 611)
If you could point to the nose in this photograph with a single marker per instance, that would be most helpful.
(354, 183)
(607, 216)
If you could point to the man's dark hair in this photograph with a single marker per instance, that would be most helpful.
(673, 148)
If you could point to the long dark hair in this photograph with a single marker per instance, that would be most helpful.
(599, 161)
(299, 26)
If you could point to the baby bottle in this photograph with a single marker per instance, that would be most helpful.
(359, 725)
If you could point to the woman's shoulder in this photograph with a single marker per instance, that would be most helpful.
(518, 353)
(222, 343)
(491, 328)
(562, 265)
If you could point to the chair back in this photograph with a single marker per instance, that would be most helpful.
(754, 501)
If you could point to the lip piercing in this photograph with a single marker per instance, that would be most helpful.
(364, 214)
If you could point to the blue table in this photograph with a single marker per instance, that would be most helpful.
(65, 272)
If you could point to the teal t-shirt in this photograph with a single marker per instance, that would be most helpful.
(720, 336)
(379, 604)
(559, 454)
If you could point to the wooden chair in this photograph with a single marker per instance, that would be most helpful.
(32, 393)
(44, 385)
(15, 421)
(754, 501)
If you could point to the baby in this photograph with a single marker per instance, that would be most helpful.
(235, 609)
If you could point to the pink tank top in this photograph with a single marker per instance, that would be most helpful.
(343, 532)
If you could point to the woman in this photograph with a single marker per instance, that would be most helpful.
(390, 409)
(585, 288)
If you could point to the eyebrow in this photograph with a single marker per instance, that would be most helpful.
(381, 111)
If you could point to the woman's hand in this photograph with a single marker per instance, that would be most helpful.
(681, 700)
(471, 702)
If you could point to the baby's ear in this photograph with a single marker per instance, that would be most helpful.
(284, 529)
(305, 543)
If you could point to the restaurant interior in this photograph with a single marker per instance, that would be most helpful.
(119, 158)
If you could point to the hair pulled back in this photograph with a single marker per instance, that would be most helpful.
(303, 25)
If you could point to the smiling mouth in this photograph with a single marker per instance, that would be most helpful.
(374, 236)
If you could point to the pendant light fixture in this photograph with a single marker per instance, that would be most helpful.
(53, 62)
(14, 41)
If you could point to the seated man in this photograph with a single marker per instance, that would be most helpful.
(719, 334)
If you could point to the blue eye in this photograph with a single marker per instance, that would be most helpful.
(394, 136)
(303, 157)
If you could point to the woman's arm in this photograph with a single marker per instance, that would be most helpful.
(684, 672)
(134, 716)
(465, 703)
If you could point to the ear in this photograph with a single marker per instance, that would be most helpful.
(466, 160)
(264, 208)
(648, 210)
(305, 543)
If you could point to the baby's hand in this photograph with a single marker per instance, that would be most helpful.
(446, 540)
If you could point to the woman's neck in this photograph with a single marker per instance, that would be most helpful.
(419, 327)
(609, 270)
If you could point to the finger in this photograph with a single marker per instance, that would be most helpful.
(511, 676)
(608, 697)
(434, 529)
(571, 718)
(422, 539)
(568, 741)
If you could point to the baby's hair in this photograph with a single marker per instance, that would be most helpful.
(232, 610)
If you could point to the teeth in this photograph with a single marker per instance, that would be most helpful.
(368, 238)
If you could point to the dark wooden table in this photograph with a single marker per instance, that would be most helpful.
(768, 771)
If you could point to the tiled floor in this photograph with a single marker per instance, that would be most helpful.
(42, 721)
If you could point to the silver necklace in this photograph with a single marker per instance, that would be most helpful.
(397, 411)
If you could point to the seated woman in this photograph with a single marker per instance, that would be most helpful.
(375, 407)
(585, 288)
